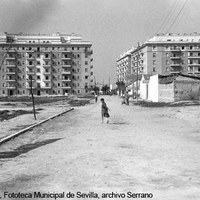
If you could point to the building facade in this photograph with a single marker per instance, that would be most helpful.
(124, 67)
(166, 54)
(56, 64)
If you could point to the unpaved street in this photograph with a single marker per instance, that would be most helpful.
(142, 150)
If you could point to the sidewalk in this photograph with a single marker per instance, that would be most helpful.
(22, 121)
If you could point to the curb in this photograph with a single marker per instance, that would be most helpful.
(5, 139)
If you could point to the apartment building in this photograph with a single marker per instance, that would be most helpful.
(56, 64)
(124, 66)
(166, 54)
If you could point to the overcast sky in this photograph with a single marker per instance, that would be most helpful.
(113, 26)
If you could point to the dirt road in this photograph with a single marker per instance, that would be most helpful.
(142, 150)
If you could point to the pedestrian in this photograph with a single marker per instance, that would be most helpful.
(127, 98)
(96, 98)
(104, 111)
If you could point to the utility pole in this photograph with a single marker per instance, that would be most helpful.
(32, 97)
(109, 83)
(137, 57)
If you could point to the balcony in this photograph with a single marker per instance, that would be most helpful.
(175, 57)
(10, 72)
(11, 79)
(10, 87)
(47, 80)
(175, 65)
(175, 71)
(30, 58)
(10, 58)
(67, 66)
(30, 73)
(30, 50)
(194, 49)
(66, 80)
(46, 66)
(10, 65)
(66, 72)
(194, 64)
(47, 50)
(175, 49)
(66, 87)
(65, 51)
(30, 66)
(193, 57)
(65, 58)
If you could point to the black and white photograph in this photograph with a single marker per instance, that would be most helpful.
(99, 99)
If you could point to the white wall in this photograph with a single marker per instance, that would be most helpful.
(143, 89)
(153, 88)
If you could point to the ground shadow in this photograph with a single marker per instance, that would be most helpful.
(119, 123)
(25, 148)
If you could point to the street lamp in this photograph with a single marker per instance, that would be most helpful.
(32, 97)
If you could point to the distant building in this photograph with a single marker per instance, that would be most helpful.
(124, 67)
(58, 64)
(162, 54)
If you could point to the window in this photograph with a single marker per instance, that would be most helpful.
(86, 77)
(154, 48)
(72, 48)
(38, 77)
(86, 69)
(46, 77)
(167, 54)
(154, 62)
(58, 84)
(183, 47)
(167, 62)
(154, 69)
(38, 62)
(154, 55)
(86, 62)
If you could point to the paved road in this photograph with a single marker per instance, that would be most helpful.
(142, 150)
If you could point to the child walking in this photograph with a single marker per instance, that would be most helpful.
(104, 111)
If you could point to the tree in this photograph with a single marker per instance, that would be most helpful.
(105, 89)
(120, 87)
(96, 89)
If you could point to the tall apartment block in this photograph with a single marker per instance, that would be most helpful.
(56, 64)
(164, 54)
